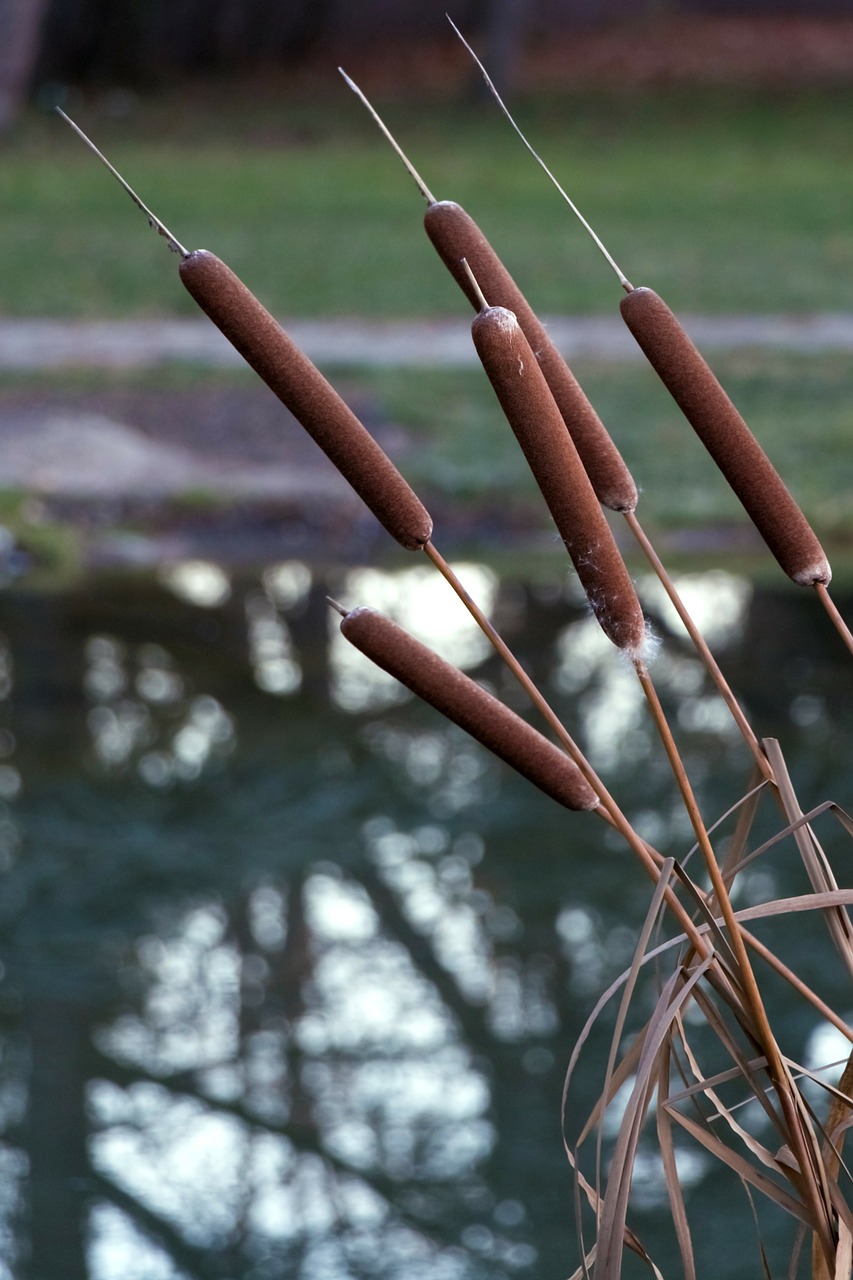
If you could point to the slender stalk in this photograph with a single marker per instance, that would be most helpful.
(153, 221)
(650, 859)
(475, 285)
(509, 658)
(700, 645)
(838, 622)
(623, 279)
(797, 984)
(409, 167)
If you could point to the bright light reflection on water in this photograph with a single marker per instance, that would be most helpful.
(422, 604)
(199, 582)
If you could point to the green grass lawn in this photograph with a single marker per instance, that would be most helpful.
(801, 410)
(721, 200)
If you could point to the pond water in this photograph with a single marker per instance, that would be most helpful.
(292, 970)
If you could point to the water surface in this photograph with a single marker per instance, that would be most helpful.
(292, 970)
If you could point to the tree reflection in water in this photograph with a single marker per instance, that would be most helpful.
(291, 970)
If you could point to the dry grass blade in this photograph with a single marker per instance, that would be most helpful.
(826, 900)
(843, 1256)
(828, 806)
(747, 811)
(765, 1266)
(759, 1168)
(676, 993)
(774, 1191)
(814, 859)
(838, 1121)
(747, 1067)
(802, 1140)
(649, 925)
(632, 1243)
(670, 1168)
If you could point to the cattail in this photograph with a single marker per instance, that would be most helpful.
(726, 436)
(264, 345)
(464, 702)
(456, 236)
(300, 386)
(532, 413)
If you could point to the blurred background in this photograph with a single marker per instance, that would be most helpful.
(290, 972)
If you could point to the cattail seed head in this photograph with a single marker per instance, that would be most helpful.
(532, 413)
(300, 386)
(464, 702)
(455, 236)
(726, 436)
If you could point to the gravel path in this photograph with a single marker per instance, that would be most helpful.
(56, 344)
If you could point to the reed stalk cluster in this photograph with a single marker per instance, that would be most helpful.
(717, 966)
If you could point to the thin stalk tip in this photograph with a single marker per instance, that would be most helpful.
(153, 221)
(481, 297)
(410, 168)
(623, 279)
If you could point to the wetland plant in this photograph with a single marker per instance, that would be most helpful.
(705, 966)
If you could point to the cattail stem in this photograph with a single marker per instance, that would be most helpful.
(700, 645)
(835, 617)
(796, 983)
(608, 809)
(505, 653)
(649, 858)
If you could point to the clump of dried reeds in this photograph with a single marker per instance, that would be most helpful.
(711, 962)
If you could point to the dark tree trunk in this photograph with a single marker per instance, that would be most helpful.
(20, 25)
(57, 1131)
(506, 27)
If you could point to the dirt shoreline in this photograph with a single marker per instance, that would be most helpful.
(135, 475)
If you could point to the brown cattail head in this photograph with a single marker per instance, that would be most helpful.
(455, 236)
(302, 388)
(726, 436)
(552, 457)
(461, 700)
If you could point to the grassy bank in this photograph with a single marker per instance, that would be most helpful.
(724, 201)
(799, 408)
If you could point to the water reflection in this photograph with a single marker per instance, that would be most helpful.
(162, 731)
(291, 970)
